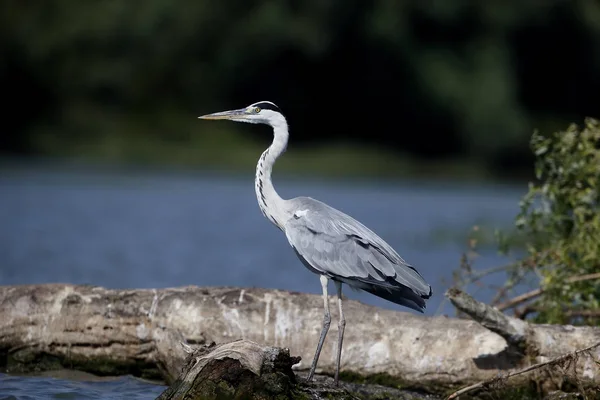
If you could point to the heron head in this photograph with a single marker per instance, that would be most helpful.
(263, 112)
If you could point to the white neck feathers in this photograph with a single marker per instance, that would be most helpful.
(270, 203)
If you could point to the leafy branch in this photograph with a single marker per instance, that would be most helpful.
(560, 220)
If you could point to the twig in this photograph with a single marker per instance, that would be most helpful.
(521, 371)
(504, 290)
(477, 275)
(515, 301)
(583, 313)
(522, 269)
(522, 298)
(472, 277)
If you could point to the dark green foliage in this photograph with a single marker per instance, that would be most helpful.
(556, 243)
(561, 212)
(121, 81)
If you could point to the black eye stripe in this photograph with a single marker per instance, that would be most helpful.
(266, 106)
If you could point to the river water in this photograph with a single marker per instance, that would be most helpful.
(123, 228)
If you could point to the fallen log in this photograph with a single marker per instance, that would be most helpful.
(113, 332)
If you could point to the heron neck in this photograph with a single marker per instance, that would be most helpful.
(270, 203)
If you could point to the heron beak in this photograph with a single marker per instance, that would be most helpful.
(233, 114)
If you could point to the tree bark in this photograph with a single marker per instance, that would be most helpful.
(243, 369)
(112, 332)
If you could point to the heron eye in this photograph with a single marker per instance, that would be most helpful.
(257, 110)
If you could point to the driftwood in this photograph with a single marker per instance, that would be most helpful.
(246, 370)
(112, 332)
(241, 369)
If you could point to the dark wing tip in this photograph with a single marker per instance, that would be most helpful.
(390, 291)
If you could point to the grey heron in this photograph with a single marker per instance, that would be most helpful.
(328, 242)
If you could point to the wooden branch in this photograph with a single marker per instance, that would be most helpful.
(515, 301)
(507, 287)
(140, 331)
(513, 330)
(489, 382)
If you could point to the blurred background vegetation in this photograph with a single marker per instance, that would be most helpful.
(446, 88)
(386, 88)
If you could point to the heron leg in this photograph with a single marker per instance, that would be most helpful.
(341, 327)
(326, 323)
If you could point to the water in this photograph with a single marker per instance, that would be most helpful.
(38, 388)
(127, 229)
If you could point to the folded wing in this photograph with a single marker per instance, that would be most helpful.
(332, 243)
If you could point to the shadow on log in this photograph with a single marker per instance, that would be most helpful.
(138, 332)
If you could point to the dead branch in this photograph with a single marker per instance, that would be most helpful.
(513, 330)
(489, 382)
(515, 301)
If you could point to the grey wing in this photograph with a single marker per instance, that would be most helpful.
(332, 243)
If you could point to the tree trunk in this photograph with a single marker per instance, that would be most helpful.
(113, 332)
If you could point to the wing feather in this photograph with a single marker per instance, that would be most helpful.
(335, 244)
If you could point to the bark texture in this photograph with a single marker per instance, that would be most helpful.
(111, 332)
(243, 369)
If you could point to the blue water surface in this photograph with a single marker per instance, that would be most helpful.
(40, 388)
